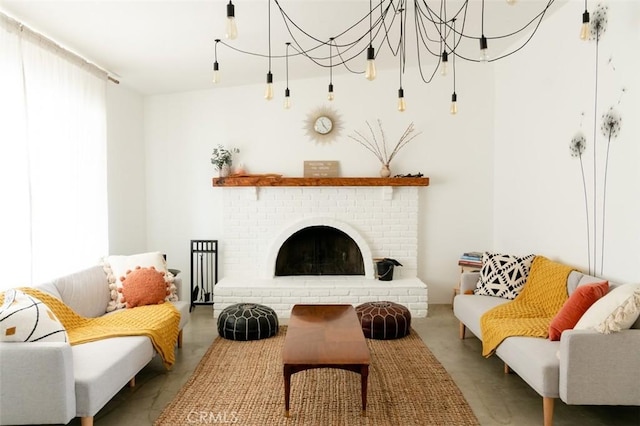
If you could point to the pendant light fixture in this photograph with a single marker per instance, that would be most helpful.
(287, 93)
(444, 63)
(216, 71)
(484, 55)
(232, 29)
(268, 91)
(370, 72)
(584, 29)
(432, 34)
(330, 95)
(454, 96)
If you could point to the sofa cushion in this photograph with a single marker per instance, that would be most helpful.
(116, 267)
(468, 308)
(503, 275)
(24, 318)
(535, 360)
(85, 291)
(576, 305)
(101, 368)
(616, 311)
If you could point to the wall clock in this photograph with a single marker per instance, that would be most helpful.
(323, 125)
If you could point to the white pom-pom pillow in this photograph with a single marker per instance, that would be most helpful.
(616, 311)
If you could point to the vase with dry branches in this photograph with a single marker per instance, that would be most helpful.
(380, 149)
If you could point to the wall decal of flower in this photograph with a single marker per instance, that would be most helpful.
(611, 124)
(610, 127)
(599, 21)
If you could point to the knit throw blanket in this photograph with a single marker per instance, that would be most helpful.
(158, 322)
(531, 312)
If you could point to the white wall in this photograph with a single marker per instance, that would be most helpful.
(539, 202)
(454, 151)
(126, 171)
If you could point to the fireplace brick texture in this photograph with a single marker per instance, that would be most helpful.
(257, 220)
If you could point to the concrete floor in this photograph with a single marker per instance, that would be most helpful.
(496, 398)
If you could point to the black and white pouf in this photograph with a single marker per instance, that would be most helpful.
(247, 321)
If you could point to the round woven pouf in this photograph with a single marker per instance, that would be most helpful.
(384, 320)
(247, 321)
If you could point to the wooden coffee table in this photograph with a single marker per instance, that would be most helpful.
(324, 336)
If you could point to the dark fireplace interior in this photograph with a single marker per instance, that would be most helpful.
(319, 250)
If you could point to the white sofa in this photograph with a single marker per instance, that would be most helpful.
(584, 367)
(51, 383)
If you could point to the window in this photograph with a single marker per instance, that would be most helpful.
(53, 150)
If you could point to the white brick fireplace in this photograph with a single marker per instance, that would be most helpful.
(382, 221)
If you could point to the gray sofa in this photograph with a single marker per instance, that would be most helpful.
(51, 383)
(585, 367)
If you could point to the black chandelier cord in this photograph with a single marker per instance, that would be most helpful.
(453, 59)
(330, 62)
(269, 35)
(301, 51)
(370, 23)
(482, 20)
(287, 63)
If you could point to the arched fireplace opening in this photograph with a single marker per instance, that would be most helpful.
(319, 250)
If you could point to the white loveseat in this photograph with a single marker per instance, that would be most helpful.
(585, 367)
(51, 383)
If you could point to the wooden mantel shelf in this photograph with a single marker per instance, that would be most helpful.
(270, 180)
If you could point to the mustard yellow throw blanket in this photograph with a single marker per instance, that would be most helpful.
(531, 312)
(158, 322)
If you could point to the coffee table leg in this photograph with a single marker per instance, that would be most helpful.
(287, 389)
(364, 377)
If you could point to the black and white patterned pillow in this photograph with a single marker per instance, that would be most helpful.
(503, 275)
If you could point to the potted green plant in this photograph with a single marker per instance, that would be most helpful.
(222, 158)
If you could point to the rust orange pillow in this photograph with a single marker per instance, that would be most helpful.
(143, 286)
(576, 305)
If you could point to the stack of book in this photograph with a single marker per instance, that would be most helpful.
(472, 258)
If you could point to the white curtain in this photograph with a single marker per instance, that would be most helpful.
(53, 151)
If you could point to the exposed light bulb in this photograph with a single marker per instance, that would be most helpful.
(402, 105)
(268, 91)
(584, 29)
(287, 99)
(511, 2)
(444, 63)
(370, 73)
(484, 54)
(232, 30)
(454, 104)
(216, 73)
(330, 95)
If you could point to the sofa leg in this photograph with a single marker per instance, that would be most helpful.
(507, 370)
(462, 330)
(180, 339)
(547, 410)
(132, 382)
(86, 421)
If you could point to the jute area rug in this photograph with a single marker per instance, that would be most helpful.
(241, 383)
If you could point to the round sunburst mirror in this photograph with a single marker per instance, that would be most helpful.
(323, 124)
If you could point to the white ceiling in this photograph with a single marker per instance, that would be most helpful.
(167, 46)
